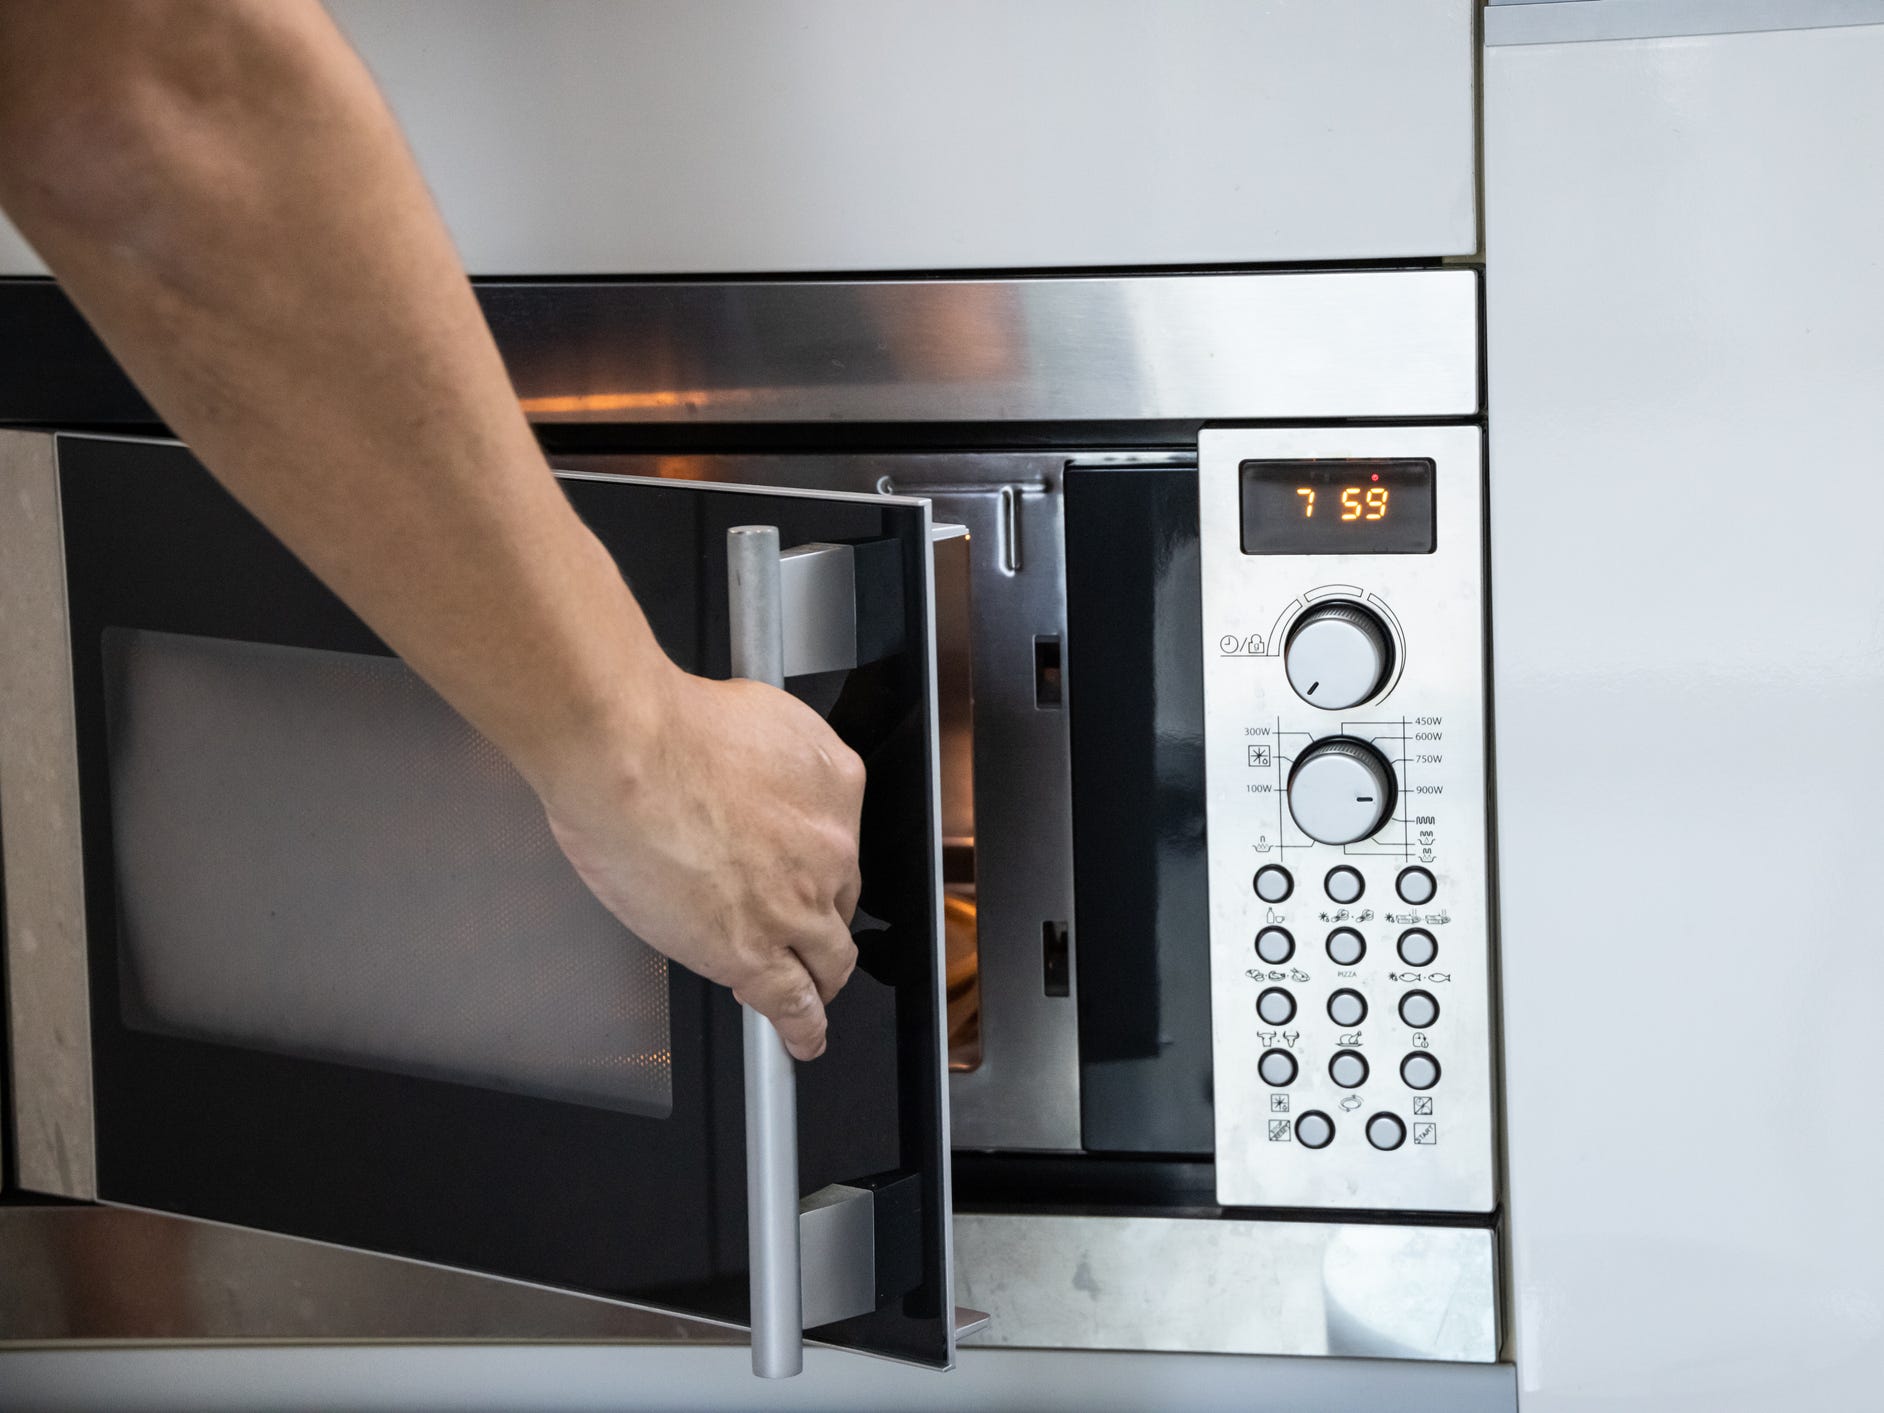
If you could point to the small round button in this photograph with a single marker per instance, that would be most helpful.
(1276, 1006)
(1273, 883)
(1420, 1070)
(1314, 1129)
(1346, 946)
(1277, 1068)
(1416, 885)
(1347, 1007)
(1385, 1132)
(1418, 1009)
(1275, 945)
(1344, 884)
(1417, 948)
(1348, 1069)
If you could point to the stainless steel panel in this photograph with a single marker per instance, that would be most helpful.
(1198, 1285)
(1207, 1285)
(1429, 721)
(49, 1020)
(1378, 344)
(1025, 1092)
(107, 1274)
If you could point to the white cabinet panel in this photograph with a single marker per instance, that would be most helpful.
(1686, 352)
(656, 136)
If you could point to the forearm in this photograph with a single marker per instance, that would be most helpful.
(315, 341)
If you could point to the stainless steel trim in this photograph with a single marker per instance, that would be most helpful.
(117, 1275)
(1364, 343)
(969, 1323)
(756, 617)
(47, 991)
(1198, 1285)
(837, 1245)
(1588, 21)
(1212, 1286)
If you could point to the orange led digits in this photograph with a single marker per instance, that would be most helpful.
(1345, 506)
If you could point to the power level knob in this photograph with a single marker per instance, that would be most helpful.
(1341, 790)
(1338, 656)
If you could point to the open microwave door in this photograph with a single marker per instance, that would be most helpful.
(290, 945)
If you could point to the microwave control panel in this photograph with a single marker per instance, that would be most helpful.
(1345, 746)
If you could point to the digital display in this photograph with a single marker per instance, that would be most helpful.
(1359, 506)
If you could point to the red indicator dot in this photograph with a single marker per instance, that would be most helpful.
(1376, 476)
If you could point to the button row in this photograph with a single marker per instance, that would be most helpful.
(1315, 1129)
(1344, 884)
(1348, 1068)
(1276, 1005)
(1346, 947)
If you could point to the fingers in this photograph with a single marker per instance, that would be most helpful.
(830, 958)
(786, 995)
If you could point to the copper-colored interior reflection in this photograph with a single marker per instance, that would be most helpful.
(964, 974)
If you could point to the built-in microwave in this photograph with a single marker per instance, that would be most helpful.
(1177, 944)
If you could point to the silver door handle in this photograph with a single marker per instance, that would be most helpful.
(757, 625)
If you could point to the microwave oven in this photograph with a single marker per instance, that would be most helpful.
(1177, 939)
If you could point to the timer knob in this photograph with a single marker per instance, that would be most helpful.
(1341, 790)
(1338, 656)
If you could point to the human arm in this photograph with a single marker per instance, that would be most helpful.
(223, 192)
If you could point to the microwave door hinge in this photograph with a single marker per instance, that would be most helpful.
(837, 1253)
(818, 608)
(841, 606)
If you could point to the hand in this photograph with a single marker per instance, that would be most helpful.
(725, 835)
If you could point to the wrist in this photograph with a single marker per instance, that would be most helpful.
(602, 727)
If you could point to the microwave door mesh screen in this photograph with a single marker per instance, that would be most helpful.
(316, 856)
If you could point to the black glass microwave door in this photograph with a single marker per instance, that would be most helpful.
(344, 985)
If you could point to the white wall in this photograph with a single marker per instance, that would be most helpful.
(1685, 289)
(651, 136)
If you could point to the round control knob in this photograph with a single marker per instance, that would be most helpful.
(1338, 656)
(1277, 1068)
(1275, 945)
(1341, 790)
(1276, 1006)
